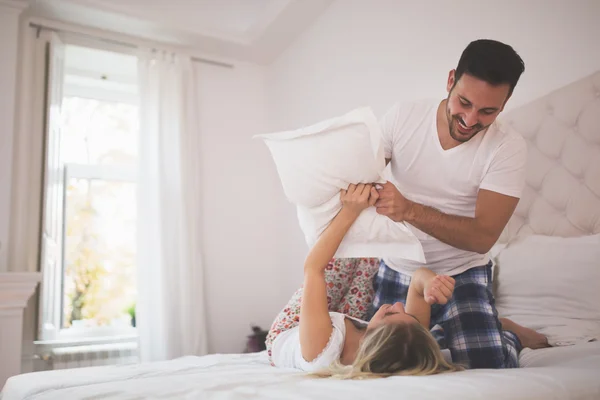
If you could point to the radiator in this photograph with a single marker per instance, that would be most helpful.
(92, 355)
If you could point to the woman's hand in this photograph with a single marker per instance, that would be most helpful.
(358, 197)
(438, 290)
(435, 289)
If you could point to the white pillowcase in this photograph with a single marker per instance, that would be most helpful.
(552, 285)
(316, 162)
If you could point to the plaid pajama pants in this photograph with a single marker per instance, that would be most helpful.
(467, 325)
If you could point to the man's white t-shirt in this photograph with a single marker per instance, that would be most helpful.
(448, 180)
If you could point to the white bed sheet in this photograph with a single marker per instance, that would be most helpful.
(558, 373)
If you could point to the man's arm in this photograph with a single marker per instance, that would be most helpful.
(478, 234)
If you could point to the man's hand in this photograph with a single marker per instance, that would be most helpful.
(392, 203)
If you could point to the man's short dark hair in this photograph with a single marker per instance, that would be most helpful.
(491, 61)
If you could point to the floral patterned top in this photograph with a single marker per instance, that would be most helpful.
(349, 294)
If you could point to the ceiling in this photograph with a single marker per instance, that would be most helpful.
(249, 30)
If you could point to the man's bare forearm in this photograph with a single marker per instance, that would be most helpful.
(461, 232)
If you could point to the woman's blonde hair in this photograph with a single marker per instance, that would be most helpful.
(394, 349)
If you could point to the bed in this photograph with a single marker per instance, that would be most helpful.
(561, 373)
(561, 200)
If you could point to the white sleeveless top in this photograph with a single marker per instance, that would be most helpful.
(286, 351)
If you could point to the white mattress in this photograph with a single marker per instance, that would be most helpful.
(557, 373)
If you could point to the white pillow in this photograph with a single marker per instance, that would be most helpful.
(552, 285)
(316, 162)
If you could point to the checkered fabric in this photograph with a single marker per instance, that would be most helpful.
(468, 324)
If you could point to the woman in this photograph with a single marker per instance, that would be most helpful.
(307, 336)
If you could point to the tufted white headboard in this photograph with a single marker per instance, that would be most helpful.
(562, 194)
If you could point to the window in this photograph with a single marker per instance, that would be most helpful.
(99, 151)
(89, 233)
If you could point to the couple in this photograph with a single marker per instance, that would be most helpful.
(457, 178)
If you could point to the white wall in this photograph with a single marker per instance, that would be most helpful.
(377, 52)
(241, 205)
(9, 24)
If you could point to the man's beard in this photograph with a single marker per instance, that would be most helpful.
(456, 134)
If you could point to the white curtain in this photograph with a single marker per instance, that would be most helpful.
(170, 313)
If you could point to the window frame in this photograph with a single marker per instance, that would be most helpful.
(54, 291)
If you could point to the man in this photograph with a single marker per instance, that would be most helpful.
(457, 175)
